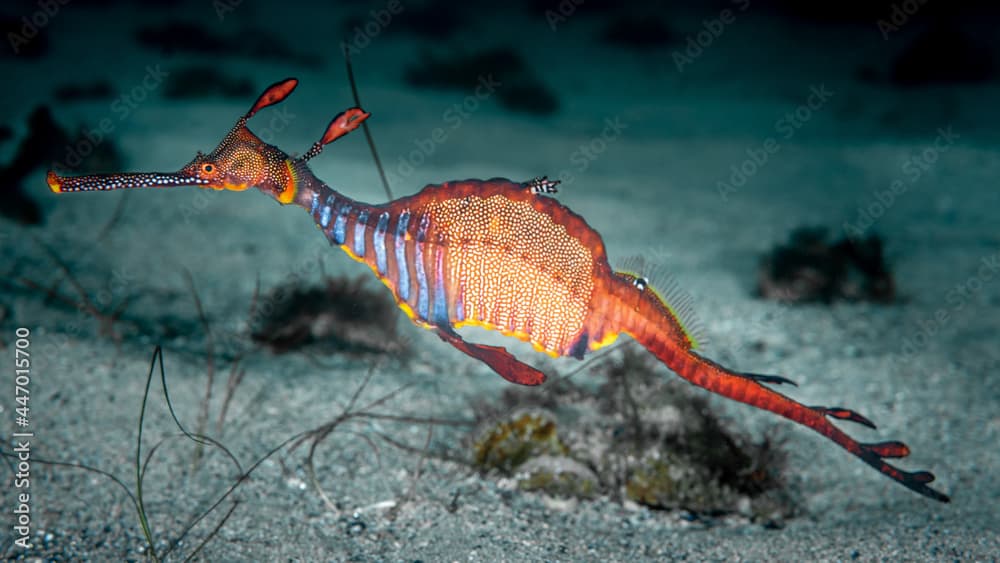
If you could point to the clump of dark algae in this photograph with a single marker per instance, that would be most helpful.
(434, 20)
(639, 437)
(46, 145)
(516, 85)
(340, 315)
(84, 91)
(205, 81)
(178, 36)
(811, 268)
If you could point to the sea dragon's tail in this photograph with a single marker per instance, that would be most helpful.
(656, 327)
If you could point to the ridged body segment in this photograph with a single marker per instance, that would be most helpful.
(509, 266)
(474, 253)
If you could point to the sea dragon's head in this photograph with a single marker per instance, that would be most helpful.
(242, 160)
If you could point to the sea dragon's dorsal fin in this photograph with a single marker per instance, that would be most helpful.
(654, 278)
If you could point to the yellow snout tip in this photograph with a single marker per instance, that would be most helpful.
(55, 183)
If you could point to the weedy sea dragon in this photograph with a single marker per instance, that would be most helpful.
(496, 254)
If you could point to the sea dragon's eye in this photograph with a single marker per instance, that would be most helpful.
(208, 168)
(640, 283)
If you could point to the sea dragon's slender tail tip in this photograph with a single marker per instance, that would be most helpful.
(751, 389)
(54, 181)
(925, 477)
(920, 486)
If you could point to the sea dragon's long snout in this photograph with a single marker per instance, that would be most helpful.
(240, 161)
(120, 181)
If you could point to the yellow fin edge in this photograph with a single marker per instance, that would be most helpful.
(673, 312)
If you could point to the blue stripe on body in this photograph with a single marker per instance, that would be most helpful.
(422, 301)
(404, 270)
(579, 348)
(324, 214)
(425, 223)
(315, 204)
(440, 304)
(359, 234)
(423, 307)
(379, 242)
(340, 225)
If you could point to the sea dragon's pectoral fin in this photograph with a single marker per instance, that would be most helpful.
(498, 358)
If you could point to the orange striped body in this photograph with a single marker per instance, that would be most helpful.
(483, 253)
(509, 266)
